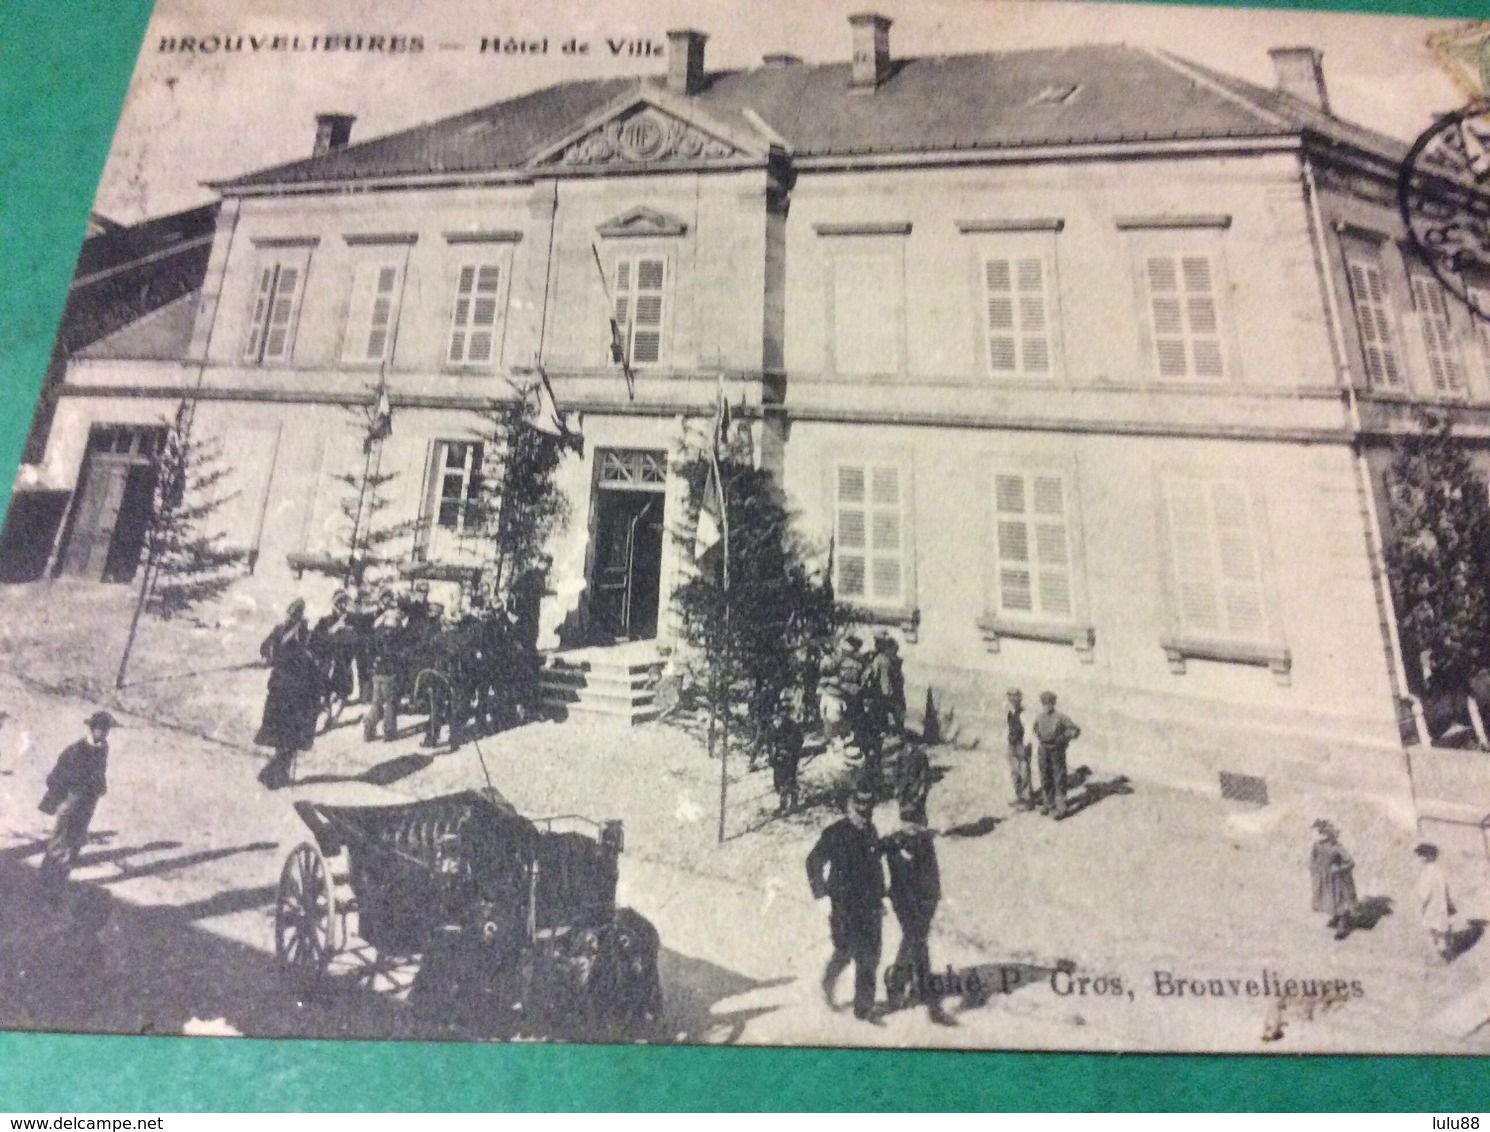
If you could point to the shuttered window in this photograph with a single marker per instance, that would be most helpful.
(1373, 316)
(276, 306)
(1215, 559)
(640, 294)
(455, 501)
(372, 313)
(1018, 316)
(1032, 546)
(1185, 319)
(1445, 363)
(866, 313)
(869, 534)
(473, 323)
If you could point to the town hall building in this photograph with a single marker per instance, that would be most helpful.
(1077, 365)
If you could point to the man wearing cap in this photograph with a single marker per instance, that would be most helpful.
(333, 644)
(915, 891)
(845, 867)
(1019, 752)
(74, 787)
(1054, 731)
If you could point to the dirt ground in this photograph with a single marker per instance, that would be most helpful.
(1135, 924)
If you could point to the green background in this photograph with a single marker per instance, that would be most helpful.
(64, 69)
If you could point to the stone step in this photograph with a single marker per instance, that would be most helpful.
(564, 694)
(591, 713)
(570, 678)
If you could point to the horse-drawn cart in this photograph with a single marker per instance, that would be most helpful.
(514, 921)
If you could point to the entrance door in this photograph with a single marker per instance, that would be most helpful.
(93, 525)
(626, 567)
(107, 530)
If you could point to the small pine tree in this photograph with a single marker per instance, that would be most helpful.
(186, 559)
(366, 546)
(521, 505)
(1438, 553)
(781, 617)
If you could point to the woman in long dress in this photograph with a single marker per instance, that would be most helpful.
(1332, 873)
(293, 702)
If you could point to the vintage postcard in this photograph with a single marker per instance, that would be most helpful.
(939, 524)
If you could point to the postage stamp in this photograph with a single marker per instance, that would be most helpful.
(948, 525)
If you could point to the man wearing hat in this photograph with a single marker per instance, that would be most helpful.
(1054, 731)
(845, 867)
(74, 787)
(915, 891)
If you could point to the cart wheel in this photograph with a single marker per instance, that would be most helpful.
(305, 918)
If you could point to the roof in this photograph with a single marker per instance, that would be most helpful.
(162, 335)
(1087, 94)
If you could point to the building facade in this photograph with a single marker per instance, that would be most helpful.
(1079, 366)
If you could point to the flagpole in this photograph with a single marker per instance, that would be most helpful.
(724, 658)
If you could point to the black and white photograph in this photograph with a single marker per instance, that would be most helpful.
(905, 523)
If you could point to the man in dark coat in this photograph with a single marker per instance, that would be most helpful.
(334, 645)
(1054, 731)
(915, 891)
(844, 866)
(74, 787)
(387, 647)
(292, 705)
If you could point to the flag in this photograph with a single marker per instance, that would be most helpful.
(617, 335)
(710, 530)
(380, 420)
(713, 521)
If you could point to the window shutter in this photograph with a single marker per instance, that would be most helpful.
(646, 333)
(1015, 581)
(1241, 573)
(259, 321)
(1444, 362)
(1216, 559)
(1190, 547)
(1186, 321)
(1018, 330)
(282, 307)
(1032, 550)
(372, 313)
(851, 544)
(869, 535)
(1373, 319)
(885, 498)
(474, 321)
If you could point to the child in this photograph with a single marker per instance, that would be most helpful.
(1333, 875)
(1435, 905)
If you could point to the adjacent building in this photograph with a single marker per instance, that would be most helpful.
(1081, 361)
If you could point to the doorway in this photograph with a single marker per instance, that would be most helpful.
(116, 489)
(627, 535)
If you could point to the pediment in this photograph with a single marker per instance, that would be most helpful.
(647, 129)
(642, 222)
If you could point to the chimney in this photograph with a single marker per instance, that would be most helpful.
(1300, 75)
(685, 61)
(333, 131)
(871, 50)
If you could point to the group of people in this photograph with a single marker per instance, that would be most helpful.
(1333, 891)
(472, 671)
(857, 695)
(1054, 732)
(848, 865)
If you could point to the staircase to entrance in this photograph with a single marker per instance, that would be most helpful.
(614, 684)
